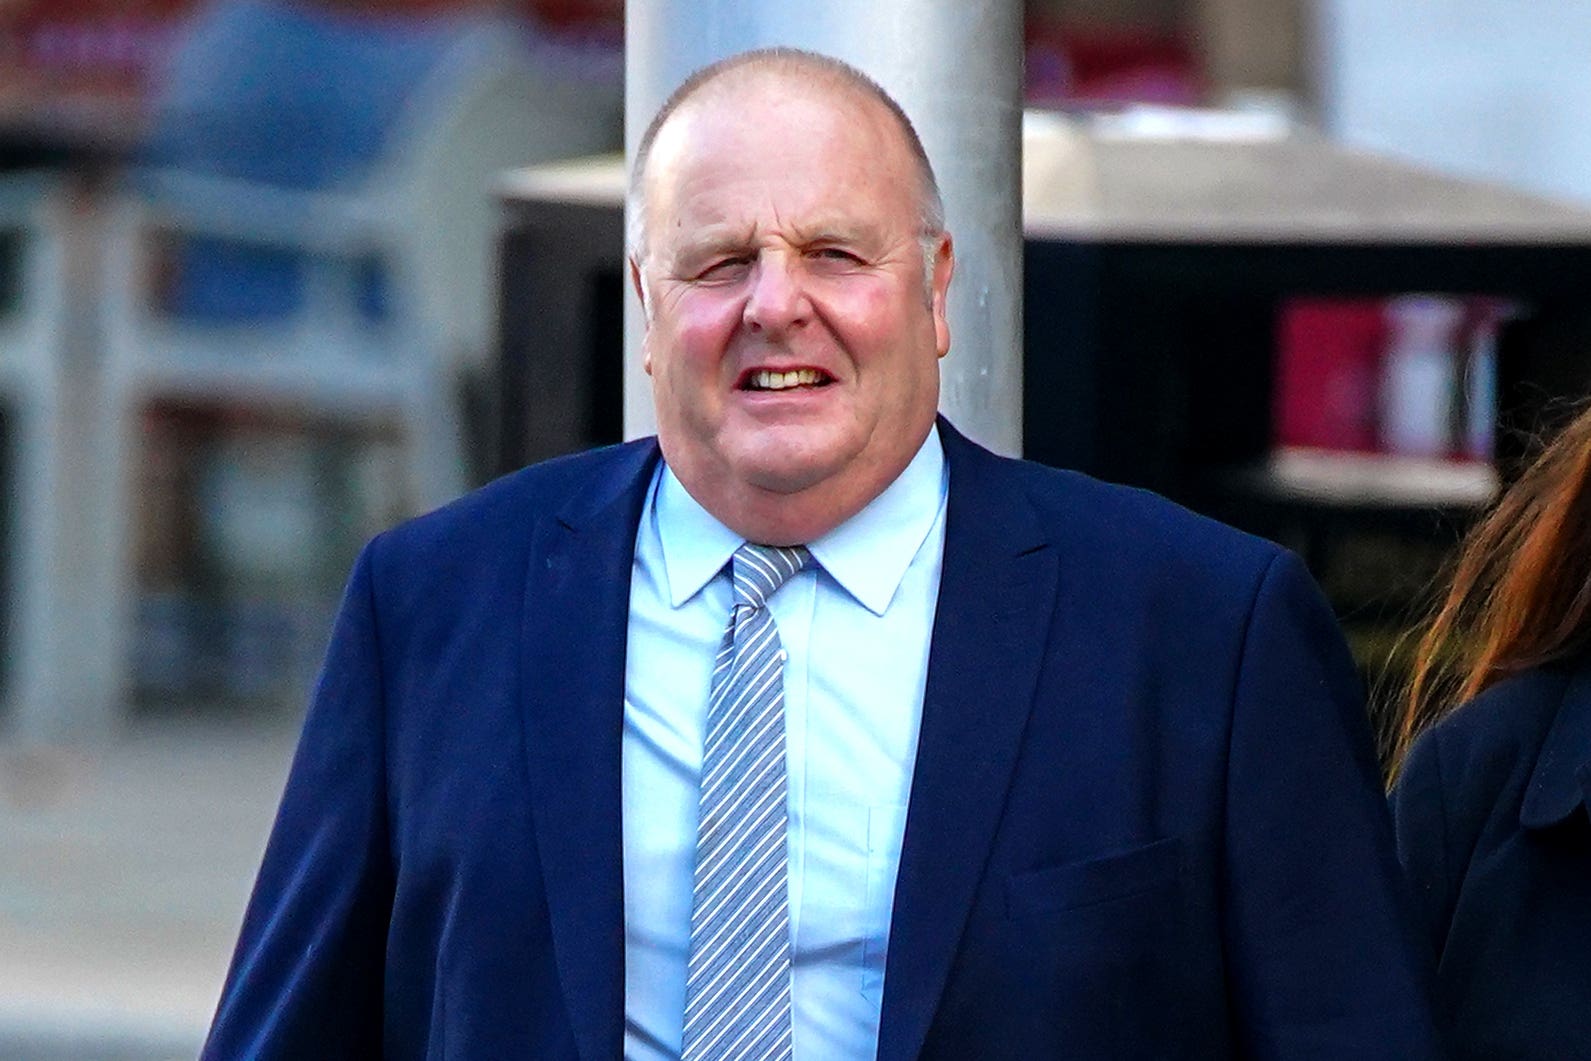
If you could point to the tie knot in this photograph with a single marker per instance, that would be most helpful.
(758, 570)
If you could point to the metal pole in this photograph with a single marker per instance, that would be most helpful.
(956, 68)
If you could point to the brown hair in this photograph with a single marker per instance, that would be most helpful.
(1520, 591)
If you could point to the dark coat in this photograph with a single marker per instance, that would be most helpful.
(1492, 829)
(1145, 818)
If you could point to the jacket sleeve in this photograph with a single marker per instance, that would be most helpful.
(1323, 958)
(306, 978)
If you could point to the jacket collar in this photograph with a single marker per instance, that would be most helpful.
(1561, 781)
(617, 490)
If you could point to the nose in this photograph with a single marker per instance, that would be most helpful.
(777, 300)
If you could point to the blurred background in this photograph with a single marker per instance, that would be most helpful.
(1312, 266)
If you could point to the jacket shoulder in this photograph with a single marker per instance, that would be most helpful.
(1141, 531)
(1464, 788)
(1469, 773)
(447, 558)
(506, 509)
(1491, 743)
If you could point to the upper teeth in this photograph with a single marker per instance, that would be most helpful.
(780, 380)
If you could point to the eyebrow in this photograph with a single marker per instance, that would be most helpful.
(724, 241)
(860, 232)
(715, 243)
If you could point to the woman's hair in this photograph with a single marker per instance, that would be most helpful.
(1520, 594)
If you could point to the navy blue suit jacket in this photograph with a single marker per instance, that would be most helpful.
(1491, 812)
(1145, 821)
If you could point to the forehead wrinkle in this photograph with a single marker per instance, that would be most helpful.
(799, 226)
(719, 236)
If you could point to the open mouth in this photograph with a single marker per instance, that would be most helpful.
(763, 379)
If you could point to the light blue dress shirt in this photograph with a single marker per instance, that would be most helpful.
(856, 629)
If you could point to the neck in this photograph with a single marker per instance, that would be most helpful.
(774, 517)
(770, 518)
(781, 515)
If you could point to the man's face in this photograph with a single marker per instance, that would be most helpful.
(792, 342)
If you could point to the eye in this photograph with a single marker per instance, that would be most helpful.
(726, 268)
(834, 254)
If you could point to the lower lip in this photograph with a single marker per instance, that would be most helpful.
(786, 392)
(790, 395)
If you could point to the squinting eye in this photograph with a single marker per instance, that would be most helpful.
(835, 254)
(724, 267)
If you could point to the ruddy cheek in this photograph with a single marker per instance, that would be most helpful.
(707, 332)
(860, 303)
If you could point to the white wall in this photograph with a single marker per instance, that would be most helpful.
(1498, 90)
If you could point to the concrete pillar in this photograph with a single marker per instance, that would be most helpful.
(956, 68)
(65, 678)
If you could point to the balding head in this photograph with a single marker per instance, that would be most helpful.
(793, 266)
(804, 70)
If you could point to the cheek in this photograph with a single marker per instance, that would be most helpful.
(688, 347)
(701, 327)
(871, 318)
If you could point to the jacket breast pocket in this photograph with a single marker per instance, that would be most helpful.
(1103, 878)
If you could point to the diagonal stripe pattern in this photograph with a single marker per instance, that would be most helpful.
(737, 990)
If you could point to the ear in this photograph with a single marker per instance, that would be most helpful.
(646, 317)
(639, 286)
(944, 268)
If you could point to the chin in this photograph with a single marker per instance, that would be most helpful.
(783, 477)
(786, 459)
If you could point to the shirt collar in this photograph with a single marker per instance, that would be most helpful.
(695, 545)
(867, 555)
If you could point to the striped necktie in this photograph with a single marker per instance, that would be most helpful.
(737, 989)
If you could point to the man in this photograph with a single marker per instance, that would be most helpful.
(829, 732)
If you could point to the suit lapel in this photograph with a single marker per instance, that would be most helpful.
(576, 611)
(996, 596)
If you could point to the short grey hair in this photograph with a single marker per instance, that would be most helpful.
(931, 204)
